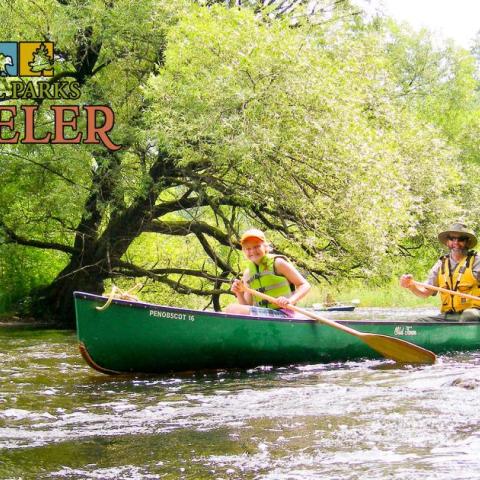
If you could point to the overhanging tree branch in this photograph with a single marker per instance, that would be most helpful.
(44, 167)
(183, 228)
(153, 273)
(126, 268)
(12, 237)
(211, 253)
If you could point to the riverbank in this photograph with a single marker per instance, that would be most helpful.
(386, 296)
(12, 320)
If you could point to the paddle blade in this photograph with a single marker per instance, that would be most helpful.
(399, 350)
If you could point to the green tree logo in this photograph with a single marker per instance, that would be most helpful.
(42, 60)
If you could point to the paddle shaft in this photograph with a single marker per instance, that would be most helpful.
(445, 290)
(389, 347)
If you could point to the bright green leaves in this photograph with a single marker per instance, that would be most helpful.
(300, 125)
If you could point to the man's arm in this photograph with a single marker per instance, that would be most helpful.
(476, 267)
(406, 281)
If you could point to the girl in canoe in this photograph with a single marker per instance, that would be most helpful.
(267, 273)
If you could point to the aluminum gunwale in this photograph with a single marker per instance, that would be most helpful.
(153, 306)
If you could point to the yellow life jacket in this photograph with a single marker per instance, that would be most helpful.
(460, 280)
(264, 279)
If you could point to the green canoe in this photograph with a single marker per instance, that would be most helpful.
(140, 337)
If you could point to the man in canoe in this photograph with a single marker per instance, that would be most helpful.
(267, 273)
(458, 271)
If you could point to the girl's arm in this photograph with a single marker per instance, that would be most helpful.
(302, 287)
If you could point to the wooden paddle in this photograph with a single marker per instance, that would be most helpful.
(394, 348)
(445, 290)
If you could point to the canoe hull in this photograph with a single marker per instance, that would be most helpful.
(146, 338)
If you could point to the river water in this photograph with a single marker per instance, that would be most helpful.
(358, 420)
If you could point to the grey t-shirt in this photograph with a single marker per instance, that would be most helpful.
(433, 274)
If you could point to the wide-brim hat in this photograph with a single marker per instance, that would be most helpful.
(461, 230)
(253, 233)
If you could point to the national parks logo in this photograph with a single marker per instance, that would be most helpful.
(26, 59)
(18, 122)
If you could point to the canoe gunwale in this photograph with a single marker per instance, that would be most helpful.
(338, 308)
(153, 306)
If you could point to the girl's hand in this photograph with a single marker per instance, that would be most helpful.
(237, 287)
(283, 302)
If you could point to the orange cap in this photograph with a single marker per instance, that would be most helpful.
(253, 233)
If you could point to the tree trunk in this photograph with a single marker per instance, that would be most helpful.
(54, 303)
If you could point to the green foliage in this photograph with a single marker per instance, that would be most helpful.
(152, 252)
(22, 270)
(301, 126)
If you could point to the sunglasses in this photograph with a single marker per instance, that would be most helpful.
(460, 239)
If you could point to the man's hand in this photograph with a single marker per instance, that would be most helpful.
(406, 281)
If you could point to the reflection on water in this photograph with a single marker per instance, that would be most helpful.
(356, 420)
